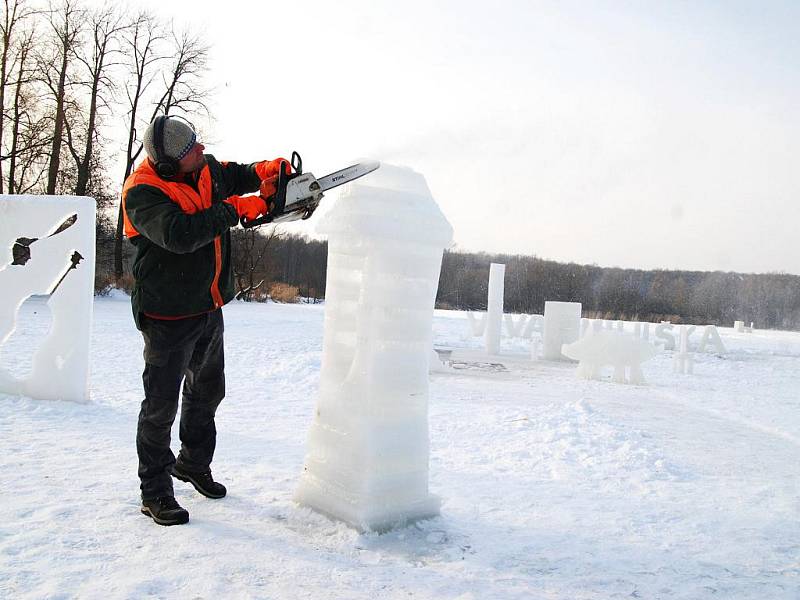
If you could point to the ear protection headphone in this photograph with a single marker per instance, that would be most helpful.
(165, 166)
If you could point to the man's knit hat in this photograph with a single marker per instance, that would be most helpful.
(179, 138)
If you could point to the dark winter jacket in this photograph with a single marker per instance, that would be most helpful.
(181, 233)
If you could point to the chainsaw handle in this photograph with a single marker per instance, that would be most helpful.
(297, 163)
(277, 202)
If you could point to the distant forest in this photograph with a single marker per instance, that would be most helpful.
(770, 301)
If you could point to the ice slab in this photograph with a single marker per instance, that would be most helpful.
(48, 246)
(562, 322)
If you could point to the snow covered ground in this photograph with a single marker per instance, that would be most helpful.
(552, 487)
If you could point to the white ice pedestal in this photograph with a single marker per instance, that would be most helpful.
(60, 265)
(494, 308)
(368, 448)
(562, 325)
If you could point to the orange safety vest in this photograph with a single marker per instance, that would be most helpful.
(185, 196)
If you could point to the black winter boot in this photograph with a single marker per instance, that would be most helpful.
(202, 482)
(165, 511)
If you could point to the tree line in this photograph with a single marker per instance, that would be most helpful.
(770, 300)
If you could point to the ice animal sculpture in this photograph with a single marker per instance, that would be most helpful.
(368, 447)
(562, 322)
(606, 347)
(48, 249)
(494, 308)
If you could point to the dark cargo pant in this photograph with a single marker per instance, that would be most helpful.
(188, 350)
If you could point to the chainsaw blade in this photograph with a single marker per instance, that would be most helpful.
(347, 174)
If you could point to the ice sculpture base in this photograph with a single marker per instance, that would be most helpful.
(365, 513)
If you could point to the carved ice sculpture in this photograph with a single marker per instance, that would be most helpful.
(682, 361)
(606, 347)
(494, 308)
(535, 325)
(562, 321)
(586, 325)
(663, 335)
(476, 325)
(515, 328)
(711, 335)
(642, 330)
(367, 459)
(47, 245)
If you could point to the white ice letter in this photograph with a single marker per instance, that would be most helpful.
(664, 335)
(710, 334)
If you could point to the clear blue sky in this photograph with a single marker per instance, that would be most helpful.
(636, 134)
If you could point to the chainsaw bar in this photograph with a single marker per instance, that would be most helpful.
(346, 175)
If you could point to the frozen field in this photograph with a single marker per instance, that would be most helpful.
(551, 487)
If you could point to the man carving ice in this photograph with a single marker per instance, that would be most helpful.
(178, 206)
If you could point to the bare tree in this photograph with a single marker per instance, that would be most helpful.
(15, 14)
(106, 26)
(28, 154)
(66, 23)
(183, 83)
(141, 45)
(249, 252)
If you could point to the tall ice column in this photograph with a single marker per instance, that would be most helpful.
(494, 308)
(367, 454)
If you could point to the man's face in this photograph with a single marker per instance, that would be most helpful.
(194, 160)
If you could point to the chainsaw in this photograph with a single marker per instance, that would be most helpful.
(298, 194)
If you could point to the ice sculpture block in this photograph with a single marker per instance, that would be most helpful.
(55, 257)
(562, 323)
(494, 308)
(368, 448)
